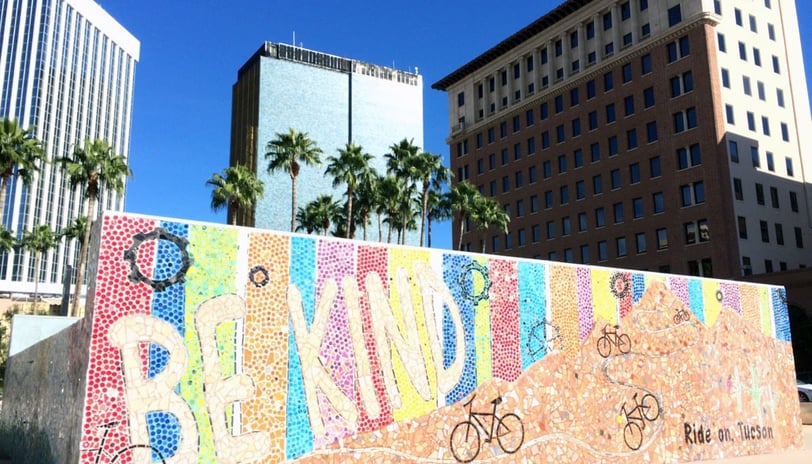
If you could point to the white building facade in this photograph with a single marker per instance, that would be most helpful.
(68, 70)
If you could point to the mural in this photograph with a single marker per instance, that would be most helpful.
(219, 344)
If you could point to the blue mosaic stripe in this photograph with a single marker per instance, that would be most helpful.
(169, 306)
(696, 299)
(532, 309)
(638, 286)
(452, 268)
(299, 436)
(778, 295)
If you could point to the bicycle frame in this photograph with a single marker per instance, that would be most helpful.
(474, 417)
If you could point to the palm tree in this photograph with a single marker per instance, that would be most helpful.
(75, 230)
(39, 240)
(20, 154)
(91, 168)
(400, 162)
(236, 188)
(324, 210)
(305, 221)
(463, 198)
(7, 240)
(391, 197)
(486, 213)
(287, 152)
(366, 198)
(438, 207)
(429, 172)
(350, 167)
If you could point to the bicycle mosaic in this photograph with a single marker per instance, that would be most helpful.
(220, 344)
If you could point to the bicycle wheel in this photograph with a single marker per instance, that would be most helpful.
(465, 441)
(624, 343)
(677, 319)
(650, 407)
(510, 433)
(633, 435)
(138, 453)
(604, 346)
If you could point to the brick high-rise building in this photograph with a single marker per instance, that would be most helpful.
(663, 135)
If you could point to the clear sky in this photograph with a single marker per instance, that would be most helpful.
(191, 51)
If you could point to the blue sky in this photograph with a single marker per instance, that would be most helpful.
(191, 51)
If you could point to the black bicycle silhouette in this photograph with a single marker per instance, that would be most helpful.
(113, 457)
(648, 409)
(681, 316)
(465, 438)
(539, 341)
(611, 337)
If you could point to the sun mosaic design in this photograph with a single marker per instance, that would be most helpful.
(223, 344)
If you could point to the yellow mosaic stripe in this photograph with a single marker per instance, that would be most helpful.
(212, 273)
(564, 306)
(712, 306)
(750, 305)
(604, 303)
(767, 323)
(412, 405)
(482, 329)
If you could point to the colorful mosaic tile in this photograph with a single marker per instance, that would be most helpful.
(221, 344)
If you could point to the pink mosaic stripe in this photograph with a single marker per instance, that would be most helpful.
(625, 303)
(586, 315)
(731, 297)
(506, 353)
(679, 286)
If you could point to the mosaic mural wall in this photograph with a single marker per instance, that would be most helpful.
(216, 344)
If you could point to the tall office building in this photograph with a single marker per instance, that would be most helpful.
(669, 135)
(68, 70)
(335, 100)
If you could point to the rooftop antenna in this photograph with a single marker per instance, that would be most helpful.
(294, 39)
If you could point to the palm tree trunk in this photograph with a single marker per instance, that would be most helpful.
(3, 185)
(350, 222)
(462, 228)
(482, 241)
(423, 214)
(292, 203)
(364, 225)
(380, 228)
(389, 234)
(232, 216)
(36, 283)
(428, 221)
(80, 271)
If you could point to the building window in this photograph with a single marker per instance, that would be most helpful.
(779, 96)
(578, 158)
(531, 146)
(759, 193)
(640, 242)
(564, 192)
(532, 175)
(765, 231)
(634, 173)
(547, 169)
(662, 239)
(742, 51)
(620, 244)
(751, 121)
(685, 120)
(761, 92)
(626, 73)
(651, 131)
(600, 217)
(637, 207)
(645, 64)
(595, 152)
(674, 15)
(521, 237)
(682, 84)
(658, 200)
(559, 134)
(784, 132)
(590, 30)
(568, 255)
(603, 253)
(597, 184)
(725, 78)
(774, 197)
(535, 233)
(692, 194)
(505, 184)
(519, 179)
(615, 177)
(790, 169)
(717, 7)
(720, 39)
(607, 21)
(799, 237)
(534, 203)
(576, 127)
(689, 157)
(631, 139)
(548, 199)
(753, 24)
(756, 56)
(733, 148)
(562, 164)
(776, 65)
(738, 192)
(770, 161)
(550, 230)
(648, 97)
(582, 225)
(793, 201)
(565, 226)
(505, 158)
(592, 118)
(580, 190)
(678, 49)
(608, 82)
(617, 208)
(645, 30)
(613, 150)
(628, 105)
(742, 223)
(610, 113)
(654, 167)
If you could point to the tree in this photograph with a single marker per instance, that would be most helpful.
(236, 188)
(438, 207)
(486, 213)
(305, 221)
(20, 155)
(75, 230)
(39, 240)
(366, 197)
(350, 167)
(428, 171)
(392, 191)
(400, 162)
(7, 240)
(323, 212)
(92, 168)
(462, 198)
(287, 152)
